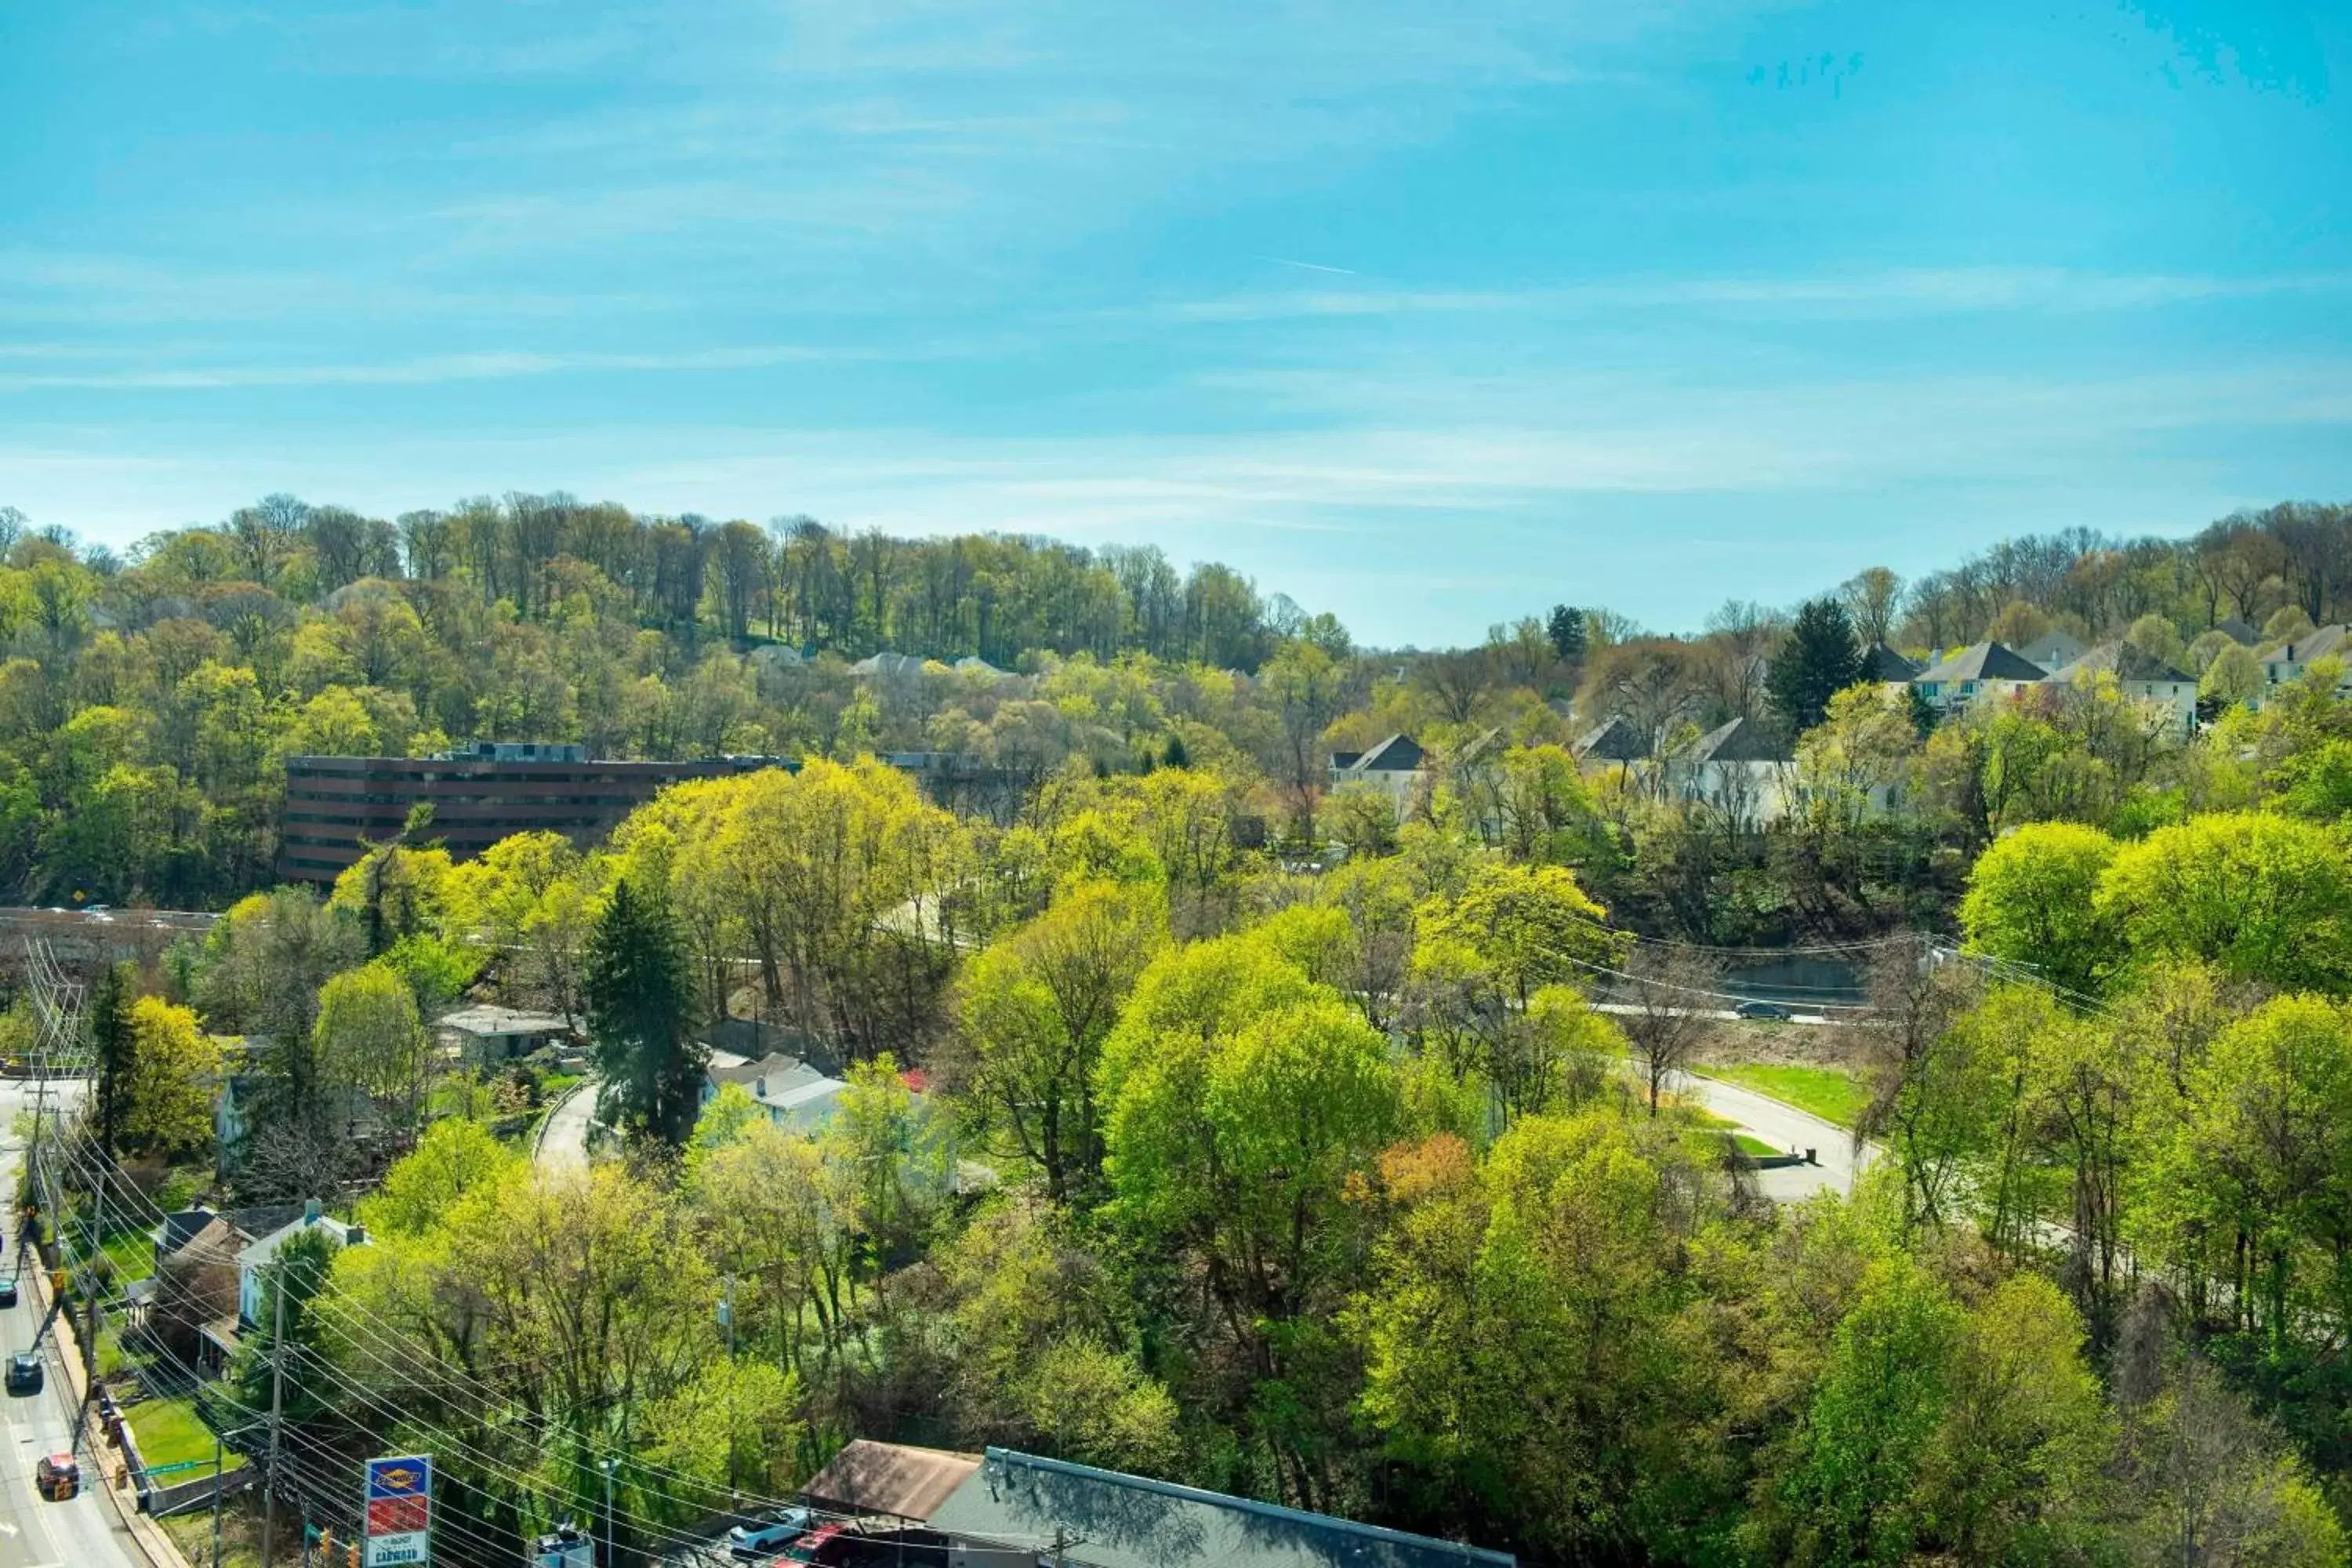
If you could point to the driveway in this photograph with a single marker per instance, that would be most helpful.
(564, 1141)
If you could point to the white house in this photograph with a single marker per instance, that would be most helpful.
(795, 1096)
(2290, 661)
(2139, 674)
(1741, 769)
(1396, 767)
(1986, 669)
(253, 1263)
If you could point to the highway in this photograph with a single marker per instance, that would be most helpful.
(84, 1533)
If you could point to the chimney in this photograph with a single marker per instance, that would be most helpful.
(309, 1211)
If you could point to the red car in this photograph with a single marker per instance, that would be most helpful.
(57, 1476)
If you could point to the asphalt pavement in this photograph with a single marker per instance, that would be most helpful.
(83, 1532)
(1786, 1128)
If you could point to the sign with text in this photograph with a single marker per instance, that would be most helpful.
(399, 1512)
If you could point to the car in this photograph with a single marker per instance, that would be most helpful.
(767, 1535)
(24, 1372)
(1770, 1011)
(57, 1476)
(813, 1546)
(7, 1293)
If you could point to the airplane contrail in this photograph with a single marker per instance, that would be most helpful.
(1310, 266)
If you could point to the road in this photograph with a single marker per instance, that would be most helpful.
(84, 1533)
(1785, 1127)
(563, 1141)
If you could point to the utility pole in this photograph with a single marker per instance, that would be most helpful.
(218, 1475)
(94, 1269)
(276, 1405)
(607, 1466)
(727, 1316)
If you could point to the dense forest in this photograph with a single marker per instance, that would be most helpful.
(1207, 1121)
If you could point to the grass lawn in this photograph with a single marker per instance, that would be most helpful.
(1830, 1093)
(170, 1434)
(1755, 1146)
(133, 1253)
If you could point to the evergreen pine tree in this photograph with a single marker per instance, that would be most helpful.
(1566, 629)
(638, 993)
(116, 1047)
(1820, 658)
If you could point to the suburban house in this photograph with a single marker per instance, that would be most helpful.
(490, 1036)
(889, 666)
(2290, 661)
(191, 1303)
(2139, 674)
(1887, 667)
(1986, 669)
(2053, 649)
(1613, 743)
(256, 1257)
(1741, 770)
(1008, 1510)
(795, 1096)
(1396, 767)
(353, 1113)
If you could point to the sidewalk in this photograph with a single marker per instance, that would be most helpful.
(105, 1464)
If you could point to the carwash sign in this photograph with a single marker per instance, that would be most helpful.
(399, 1512)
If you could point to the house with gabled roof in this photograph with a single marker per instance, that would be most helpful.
(2138, 675)
(1742, 770)
(1885, 665)
(2290, 661)
(1396, 767)
(1985, 669)
(1612, 742)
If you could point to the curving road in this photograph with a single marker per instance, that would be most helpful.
(34, 1533)
(1785, 1127)
(563, 1139)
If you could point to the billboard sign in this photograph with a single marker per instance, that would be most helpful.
(399, 1512)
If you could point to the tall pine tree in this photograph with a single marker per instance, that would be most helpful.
(1820, 658)
(638, 996)
(116, 1045)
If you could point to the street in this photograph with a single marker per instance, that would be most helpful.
(83, 1532)
(564, 1141)
(1784, 1127)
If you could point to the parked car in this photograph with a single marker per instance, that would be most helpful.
(1770, 1011)
(24, 1372)
(7, 1293)
(822, 1546)
(57, 1476)
(766, 1536)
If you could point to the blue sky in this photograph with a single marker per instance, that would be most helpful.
(1429, 315)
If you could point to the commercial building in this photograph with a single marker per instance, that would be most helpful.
(478, 795)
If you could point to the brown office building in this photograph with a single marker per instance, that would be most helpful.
(478, 795)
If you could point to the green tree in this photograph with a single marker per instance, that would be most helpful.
(115, 1046)
(1035, 1008)
(1532, 923)
(1819, 658)
(174, 1066)
(1565, 629)
(369, 1036)
(638, 996)
(2032, 901)
(2263, 898)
